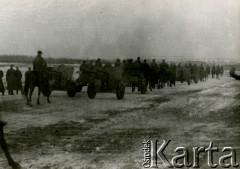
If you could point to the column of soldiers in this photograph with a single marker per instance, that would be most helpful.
(216, 71)
(14, 81)
(162, 74)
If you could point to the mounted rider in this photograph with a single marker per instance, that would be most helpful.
(39, 64)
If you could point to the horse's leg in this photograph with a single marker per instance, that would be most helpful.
(30, 95)
(4, 146)
(27, 96)
(39, 93)
(48, 99)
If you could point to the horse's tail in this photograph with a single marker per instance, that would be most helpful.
(26, 85)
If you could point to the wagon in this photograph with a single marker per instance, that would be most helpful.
(99, 79)
(183, 74)
(135, 79)
(61, 76)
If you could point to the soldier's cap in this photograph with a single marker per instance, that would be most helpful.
(39, 52)
(11, 65)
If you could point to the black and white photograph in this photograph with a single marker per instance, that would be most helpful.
(119, 84)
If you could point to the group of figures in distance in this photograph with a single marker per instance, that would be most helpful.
(107, 77)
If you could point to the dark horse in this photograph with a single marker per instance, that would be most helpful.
(4, 146)
(232, 73)
(37, 79)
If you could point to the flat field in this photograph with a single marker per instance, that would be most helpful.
(106, 133)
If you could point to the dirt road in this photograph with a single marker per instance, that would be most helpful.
(79, 133)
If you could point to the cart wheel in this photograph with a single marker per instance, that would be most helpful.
(144, 86)
(71, 90)
(120, 90)
(91, 90)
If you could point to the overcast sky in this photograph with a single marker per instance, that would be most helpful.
(204, 29)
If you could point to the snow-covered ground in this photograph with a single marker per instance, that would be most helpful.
(79, 133)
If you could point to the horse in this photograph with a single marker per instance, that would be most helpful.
(235, 76)
(4, 146)
(38, 79)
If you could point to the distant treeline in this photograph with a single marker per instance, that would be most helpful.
(29, 59)
(50, 60)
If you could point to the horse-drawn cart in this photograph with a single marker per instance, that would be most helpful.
(134, 80)
(62, 77)
(133, 76)
(183, 74)
(99, 79)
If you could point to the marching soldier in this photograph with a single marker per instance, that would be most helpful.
(201, 72)
(10, 76)
(191, 71)
(164, 73)
(154, 73)
(208, 71)
(2, 89)
(196, 73)
(172, 74)
(217, 71)
(117, 63)
(213, 71)
(146, 72)
(137, 66)
(98, 63)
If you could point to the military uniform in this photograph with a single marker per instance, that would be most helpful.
(98, 63)
(218, 70)
(18, 76)
(117, 63)
(213, 71)
(164, 77)
(39, 64)
(10, 76)
(137, 66)
(154, 73)
(83, 67)
(172, 74)
(146, 71)
(201, 72)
